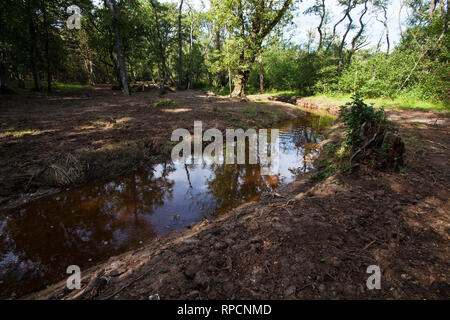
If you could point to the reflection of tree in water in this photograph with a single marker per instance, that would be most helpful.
(231, 185)
(302, 135)
(94, 222)
(235, 184)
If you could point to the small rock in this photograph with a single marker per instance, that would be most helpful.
(201, 279)
(220, 245)
(207, 237)
(191, 270)
(114, 273)
(229, 242)
(228, 287)
(154, 297)
(211, 269)
(282, 228)
(290, 291)
(379, 193)
(256, 239)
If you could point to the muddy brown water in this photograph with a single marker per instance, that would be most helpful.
(87, 225)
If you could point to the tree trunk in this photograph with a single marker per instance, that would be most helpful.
(218, 45)
(239, 86)
(333, 35)
(388, 44)
(163, 69)
(114, 66)
(341, 46)
(261, 75)
(432, 7)
(20, 78)
(399, 19)
(133, 75)
(240, 83)
(446, 17)
(189, 72)
(259, 29)
(358, 34)
(33, 51)
(319, 28)
(240, 80)
(47, 49)
(228, 60)
(4, 74)
(91, 73)
(89, 65)
(180, 49)
(123, 73)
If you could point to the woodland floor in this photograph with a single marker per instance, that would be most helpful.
(49, 142)
(310, 240)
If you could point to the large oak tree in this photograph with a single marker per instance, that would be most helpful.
(252, 21)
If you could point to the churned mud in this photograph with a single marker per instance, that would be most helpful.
(309, 239)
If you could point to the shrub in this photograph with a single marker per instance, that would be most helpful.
(354, 114)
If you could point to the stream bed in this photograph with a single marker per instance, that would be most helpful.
(87, 225)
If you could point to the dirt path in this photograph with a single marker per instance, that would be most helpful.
(48, 142)
(311, 240)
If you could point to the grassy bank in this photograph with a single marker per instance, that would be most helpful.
(58, 86)
(398, 103)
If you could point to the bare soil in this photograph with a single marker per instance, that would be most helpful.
(310, 240)
(54, 141)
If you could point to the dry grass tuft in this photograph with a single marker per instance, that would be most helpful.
(67, 171)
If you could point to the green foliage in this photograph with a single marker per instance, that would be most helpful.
(336, 156)
(417, 68)
(164, 103)
(354, 114)
(334, 159)
(220, 45)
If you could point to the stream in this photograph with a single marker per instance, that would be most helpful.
(85, 226)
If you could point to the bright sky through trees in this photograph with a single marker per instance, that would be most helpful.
(303, 23)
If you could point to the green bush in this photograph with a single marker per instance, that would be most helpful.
(354, 114)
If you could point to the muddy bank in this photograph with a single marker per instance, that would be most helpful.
(56, 141)
(309, 240)
(308, 103)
